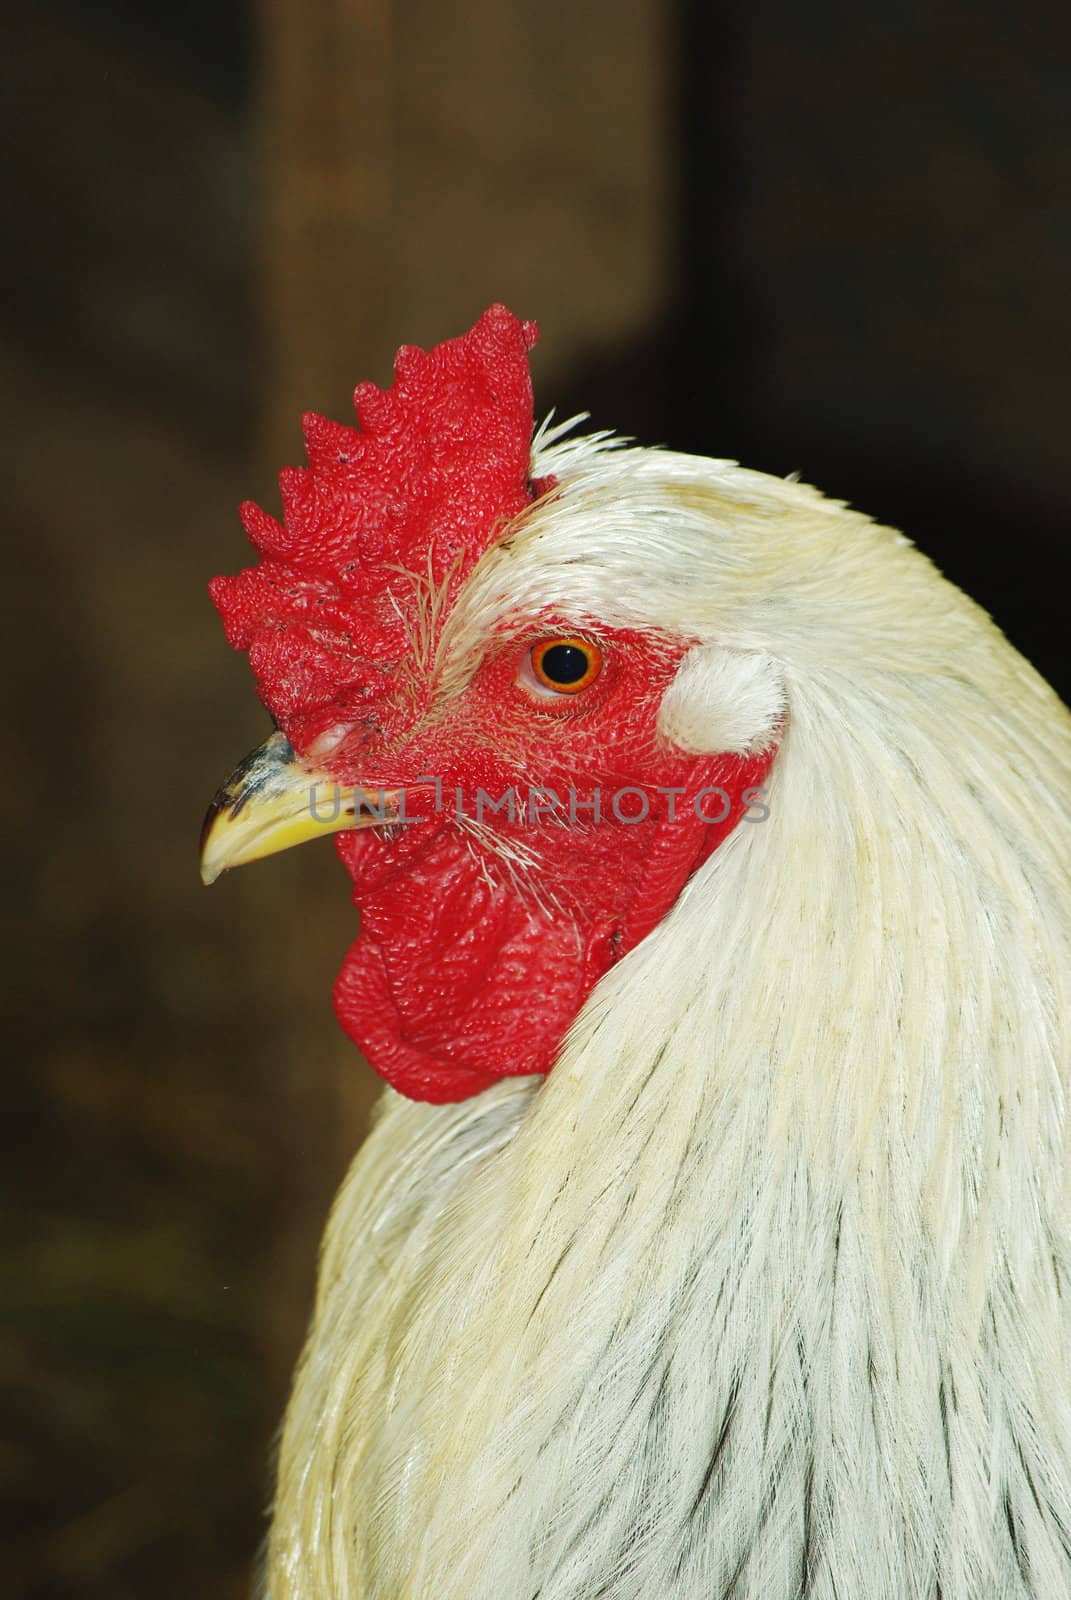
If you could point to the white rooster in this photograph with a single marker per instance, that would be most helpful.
(751, 827)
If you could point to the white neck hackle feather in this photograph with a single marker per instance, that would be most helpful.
(765, 1292)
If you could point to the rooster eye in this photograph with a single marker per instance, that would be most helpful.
(565, 666)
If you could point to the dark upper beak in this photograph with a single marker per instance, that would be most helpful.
(272, 800)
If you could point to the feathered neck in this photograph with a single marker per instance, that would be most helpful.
(763, 1291)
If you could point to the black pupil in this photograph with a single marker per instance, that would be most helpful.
(564, 663)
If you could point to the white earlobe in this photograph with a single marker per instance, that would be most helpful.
(723, 700)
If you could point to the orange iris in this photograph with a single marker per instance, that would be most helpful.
(566, 665)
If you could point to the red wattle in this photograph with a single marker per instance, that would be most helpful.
(460, 977)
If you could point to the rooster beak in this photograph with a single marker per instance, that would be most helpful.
(272, 801)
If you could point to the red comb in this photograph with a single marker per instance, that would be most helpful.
(438, 466)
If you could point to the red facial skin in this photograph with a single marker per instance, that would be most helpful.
(468, 968)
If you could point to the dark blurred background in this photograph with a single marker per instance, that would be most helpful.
(817, 238)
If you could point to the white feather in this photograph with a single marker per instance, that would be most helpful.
(723, 700)
(765, 1291)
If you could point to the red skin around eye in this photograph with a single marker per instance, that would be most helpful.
(468, 969)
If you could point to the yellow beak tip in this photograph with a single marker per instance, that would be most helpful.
(269, 803)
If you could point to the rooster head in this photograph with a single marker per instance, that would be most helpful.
(512, 771)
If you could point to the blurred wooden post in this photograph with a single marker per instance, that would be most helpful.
(326, 148)
(324, 271)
